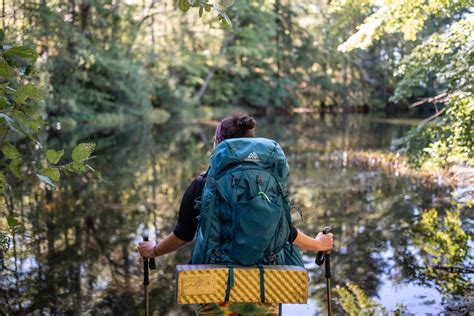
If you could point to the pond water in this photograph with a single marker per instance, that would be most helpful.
(79, 255)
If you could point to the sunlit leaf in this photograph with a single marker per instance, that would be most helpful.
(52, 173)
(28, 91)
(76, 167)
(46, 180)
(82, 151)
(14, 167)
(10, 151)
(183, 5)
(53, 156)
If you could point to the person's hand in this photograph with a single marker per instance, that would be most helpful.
(147, 249)
(324, 241)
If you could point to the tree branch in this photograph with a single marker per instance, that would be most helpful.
(210, 74)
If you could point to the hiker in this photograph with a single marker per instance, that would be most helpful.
(236, 128)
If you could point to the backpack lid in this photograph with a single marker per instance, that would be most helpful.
(261, 152)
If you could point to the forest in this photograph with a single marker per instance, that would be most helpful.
(108, 108)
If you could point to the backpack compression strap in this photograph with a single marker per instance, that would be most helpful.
(262, 283)
(230, 282)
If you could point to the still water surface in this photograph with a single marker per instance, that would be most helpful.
(80, 255)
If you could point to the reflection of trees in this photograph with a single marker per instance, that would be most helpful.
(371, 215)
(443, 244)
(82, 256)
(355, 302)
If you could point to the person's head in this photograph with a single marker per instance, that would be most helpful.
(236, 125)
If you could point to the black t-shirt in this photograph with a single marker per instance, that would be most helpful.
(188, 214)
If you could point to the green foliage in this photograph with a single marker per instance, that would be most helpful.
(203, 5)
(450, 56)
(53, 156)
(405, 16)
(82, 152)
(444, 242)
(447, 142)
(106, 83)
(440, 64)
(21, 109)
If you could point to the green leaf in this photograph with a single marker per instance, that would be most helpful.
(46, 180)
(6, 72)
(14, 168)
(2, 35)
(53, 156)
(76, 167)
(12, 222)
(82, 151)
(21, 56)
(28, 91)
(10, 151)
(4, 103)
(183, 5)
(201, 10)
(15, 225)
(35, 124)
(52, 173)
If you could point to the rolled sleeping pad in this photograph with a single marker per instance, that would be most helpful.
(200, 284)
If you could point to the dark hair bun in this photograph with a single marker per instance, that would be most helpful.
(245, 121)
(238, 125)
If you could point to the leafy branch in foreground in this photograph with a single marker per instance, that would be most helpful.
(21, 118)
(185, 5)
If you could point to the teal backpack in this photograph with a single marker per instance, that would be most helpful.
(244, 209)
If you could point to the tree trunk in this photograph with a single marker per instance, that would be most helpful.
(85, 10)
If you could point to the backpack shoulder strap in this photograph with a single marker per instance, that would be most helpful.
(209, 217)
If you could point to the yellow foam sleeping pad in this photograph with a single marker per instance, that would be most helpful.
(201, 284)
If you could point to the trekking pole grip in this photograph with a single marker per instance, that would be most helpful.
(146, 280)
(321, 255)
(151, 261)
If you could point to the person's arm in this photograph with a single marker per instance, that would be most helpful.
(185, 227)
(148, 249)
(322, 242)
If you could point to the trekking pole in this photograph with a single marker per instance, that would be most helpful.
(147, 263)
(324, 257)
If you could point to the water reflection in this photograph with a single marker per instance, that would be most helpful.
(81, 256)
